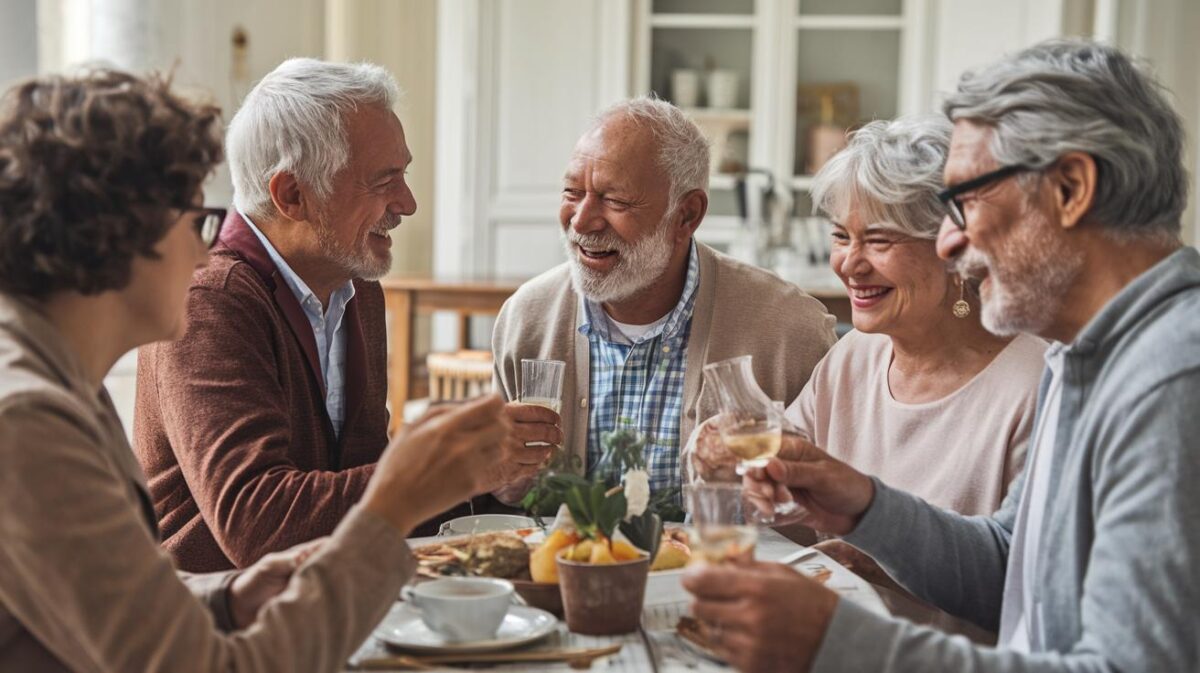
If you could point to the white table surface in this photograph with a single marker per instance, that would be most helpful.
(656, 647)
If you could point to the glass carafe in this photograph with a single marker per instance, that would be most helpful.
(750, 422)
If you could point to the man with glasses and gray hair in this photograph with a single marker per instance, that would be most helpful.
(261, 427)
(1065, 192)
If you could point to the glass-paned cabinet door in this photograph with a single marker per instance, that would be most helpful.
(847, 73)
(849, 7)
(703, 7)
(707, 71)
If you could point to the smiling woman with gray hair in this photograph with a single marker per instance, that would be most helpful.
(894, 395)
(919, 393)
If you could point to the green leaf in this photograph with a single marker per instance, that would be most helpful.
(581, 512)
(666, 502)
(623, 450)
(611, 511)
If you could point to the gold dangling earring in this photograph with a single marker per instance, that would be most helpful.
(961, 308)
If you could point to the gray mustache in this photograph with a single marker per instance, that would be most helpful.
(390, 221)
(968, 265)
(610, 242)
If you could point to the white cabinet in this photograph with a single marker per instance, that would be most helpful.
(518, 80)
(805, 71)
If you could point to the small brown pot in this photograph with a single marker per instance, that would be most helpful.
(603, 600)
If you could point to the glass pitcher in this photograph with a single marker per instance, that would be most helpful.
(750, 422)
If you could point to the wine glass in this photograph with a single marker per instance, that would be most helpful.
(753, 434)
(784, 508)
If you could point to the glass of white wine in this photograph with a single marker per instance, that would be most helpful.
(753, 435)
(720, 532)
(751, 424)
(542, 382)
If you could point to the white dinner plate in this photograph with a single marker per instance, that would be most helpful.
(403, 629)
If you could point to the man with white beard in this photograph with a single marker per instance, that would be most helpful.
(640, 307)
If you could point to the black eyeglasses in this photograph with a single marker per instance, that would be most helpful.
(207, 222)
(949, 197)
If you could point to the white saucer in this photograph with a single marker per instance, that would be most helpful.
(403, 628)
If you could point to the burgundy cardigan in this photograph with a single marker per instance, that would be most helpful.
(231, 426)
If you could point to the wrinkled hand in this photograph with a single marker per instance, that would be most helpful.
(439, 461)
(712, 461)
(521, 462)
(761, 616)
(832, 494)
(266, 579)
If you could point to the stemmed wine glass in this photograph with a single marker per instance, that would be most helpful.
(751, 424)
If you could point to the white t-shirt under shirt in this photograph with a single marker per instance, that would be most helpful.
(959, 452)
(1020, 621)
(632, 334)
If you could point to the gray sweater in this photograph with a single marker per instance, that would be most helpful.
(1116, 578)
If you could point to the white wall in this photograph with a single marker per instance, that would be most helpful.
(517, 81)
(1167, 34)
(970, 33)
(195, 38)
(18, 40)
(400, 35)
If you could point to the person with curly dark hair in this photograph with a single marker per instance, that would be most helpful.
(100, 233)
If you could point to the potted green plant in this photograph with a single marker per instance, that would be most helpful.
(603, 580)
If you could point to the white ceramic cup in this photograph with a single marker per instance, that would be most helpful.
(462, 609)
(685, 88)
(722, 88)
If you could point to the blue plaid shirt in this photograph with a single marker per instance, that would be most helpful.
(641, 384)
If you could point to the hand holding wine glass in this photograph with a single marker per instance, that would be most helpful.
(831, 495)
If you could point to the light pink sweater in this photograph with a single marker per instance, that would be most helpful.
(960, 452)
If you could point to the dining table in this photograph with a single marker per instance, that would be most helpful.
(655, 647)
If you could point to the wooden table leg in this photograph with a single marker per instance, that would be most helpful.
(464, 330)
(400, 304)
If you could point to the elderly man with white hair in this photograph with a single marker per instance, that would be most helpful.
(261, 427)
(640, 307)
(1065, 193)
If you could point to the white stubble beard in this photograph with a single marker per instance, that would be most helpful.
(1027, 293)
(357, 264)
(638, 264)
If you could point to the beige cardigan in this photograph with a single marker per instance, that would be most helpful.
(83, 584)
(740, 309)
